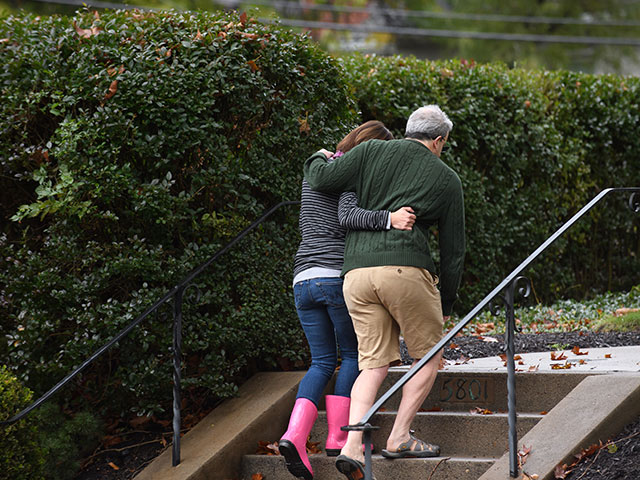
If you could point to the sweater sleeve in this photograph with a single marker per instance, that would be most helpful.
(352, 217)
(338, 176)
(452, 244)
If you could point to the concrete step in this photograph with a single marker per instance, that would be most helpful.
(458, 468)
(221, 446)
(457, 433)
(536, 392)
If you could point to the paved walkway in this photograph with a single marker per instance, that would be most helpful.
(613, 359)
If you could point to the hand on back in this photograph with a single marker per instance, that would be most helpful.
(403, 219)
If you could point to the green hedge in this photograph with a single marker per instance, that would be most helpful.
(531, 148)
(133, 146)
(21, 458)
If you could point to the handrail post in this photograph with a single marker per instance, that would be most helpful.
(368, 470)
(177, 364)
(510, 330)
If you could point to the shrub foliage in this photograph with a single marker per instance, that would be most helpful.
(133, 146)
(531, 148)
(20, 455)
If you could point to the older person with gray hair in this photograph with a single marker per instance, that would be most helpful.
(391, 279)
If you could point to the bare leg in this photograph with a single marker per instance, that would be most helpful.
(414, 394)
(363, 394)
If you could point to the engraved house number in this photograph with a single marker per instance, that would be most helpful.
(466, 390)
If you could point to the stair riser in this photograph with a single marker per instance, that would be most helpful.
(273, 468)
(460, 391)
(456, 434)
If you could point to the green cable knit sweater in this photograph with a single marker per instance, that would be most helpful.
(388, 175)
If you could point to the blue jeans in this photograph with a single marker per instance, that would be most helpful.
(324, 317)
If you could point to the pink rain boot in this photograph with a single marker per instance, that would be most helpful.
(293, 444)
(337, 417)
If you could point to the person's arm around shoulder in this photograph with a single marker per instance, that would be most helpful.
(353, 217)
(451, 232)
(337, 176)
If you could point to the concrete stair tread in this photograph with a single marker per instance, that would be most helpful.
(462, 433)
(582, 409)
(450, 414)
(436, 468)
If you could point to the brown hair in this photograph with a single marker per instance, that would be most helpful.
(373, 129)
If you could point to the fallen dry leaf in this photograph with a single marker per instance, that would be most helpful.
(481, 411)
(267, 448)
(312, 447)
(576, 351)
(111, 440)
(257, 476)
(462, 360)
(560, 366)
(442, 364)
(484, 327)
(556, 356)
(523, 454)
(607, 355)
(113, 465)
(560, 472)
(490, 339)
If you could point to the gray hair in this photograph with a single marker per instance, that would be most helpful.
(428, 123)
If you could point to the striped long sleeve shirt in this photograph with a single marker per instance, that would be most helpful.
(324, 221)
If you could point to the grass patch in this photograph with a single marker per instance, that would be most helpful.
(628, 322)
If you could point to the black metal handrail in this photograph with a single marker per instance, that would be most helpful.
(508, 285)
(177, 293)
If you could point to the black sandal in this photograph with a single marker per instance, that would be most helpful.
(350, 467)
(413, 448)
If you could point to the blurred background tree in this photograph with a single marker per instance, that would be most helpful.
(594, 36)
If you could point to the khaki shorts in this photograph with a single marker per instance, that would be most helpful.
(386, 301)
